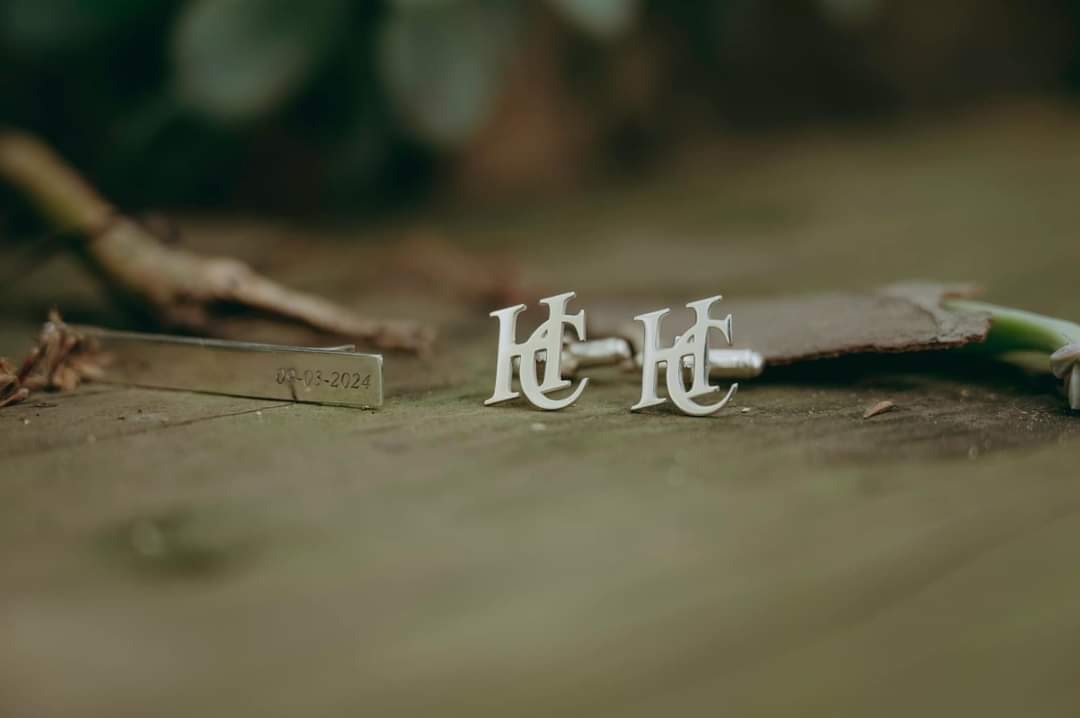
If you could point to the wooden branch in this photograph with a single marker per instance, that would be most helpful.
(178, 288)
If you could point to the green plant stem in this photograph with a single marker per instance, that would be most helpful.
(1014, 330)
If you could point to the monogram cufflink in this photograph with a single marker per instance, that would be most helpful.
(688, 351)
(546, 345)
(688, 358)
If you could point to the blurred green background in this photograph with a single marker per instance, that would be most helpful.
(352, 107)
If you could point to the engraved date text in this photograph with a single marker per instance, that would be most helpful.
(317, 377)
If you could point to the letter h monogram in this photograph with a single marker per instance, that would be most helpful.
(546, 340)
(691, 350)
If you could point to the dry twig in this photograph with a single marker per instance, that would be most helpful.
(177, 288)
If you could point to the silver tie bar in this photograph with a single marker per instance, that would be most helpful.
(332, 375)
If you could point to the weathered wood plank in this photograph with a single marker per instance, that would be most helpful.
(439, 557)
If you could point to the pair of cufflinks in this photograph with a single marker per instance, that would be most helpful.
(686, 364)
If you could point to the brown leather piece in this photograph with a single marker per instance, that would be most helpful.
(899, 318)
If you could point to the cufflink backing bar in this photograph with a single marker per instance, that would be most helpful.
(616, 351)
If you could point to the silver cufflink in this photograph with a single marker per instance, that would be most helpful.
(687, 364)
(545, 343)
(690, 347)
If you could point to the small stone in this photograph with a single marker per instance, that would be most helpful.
(538, 426)
(879, 408)
(25, 422)
(745, 410)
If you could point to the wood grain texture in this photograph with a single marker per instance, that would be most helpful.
(217, 556)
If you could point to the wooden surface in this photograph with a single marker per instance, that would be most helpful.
(166, 553)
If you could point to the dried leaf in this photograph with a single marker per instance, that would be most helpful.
(90, 368)
(15, 397)
(61, 360)
(64, 378)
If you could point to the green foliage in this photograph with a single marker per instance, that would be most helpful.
(202, 101)
(442, 63)
(237, 60)
(602, 18)
(1015, 330)
(164, 101)
(39, 29)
